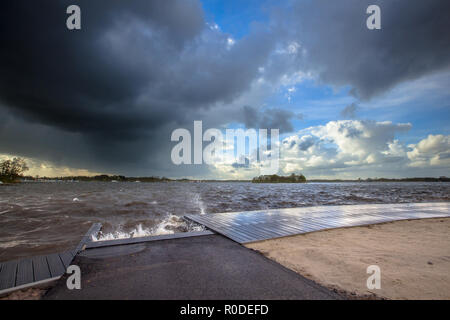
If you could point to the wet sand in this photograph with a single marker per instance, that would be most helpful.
(413, 256)
(27, 294)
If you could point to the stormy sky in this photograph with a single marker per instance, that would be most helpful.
(348, 101)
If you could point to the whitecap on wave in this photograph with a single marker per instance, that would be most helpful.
(167, 226)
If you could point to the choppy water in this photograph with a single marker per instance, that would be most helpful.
(37, 218)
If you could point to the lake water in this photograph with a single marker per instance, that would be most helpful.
(38, 218)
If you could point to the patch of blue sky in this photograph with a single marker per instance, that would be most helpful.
(236, 16)
(425, 103)
(317, 103)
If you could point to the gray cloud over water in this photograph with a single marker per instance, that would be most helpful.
(340, 49)
(106, 98)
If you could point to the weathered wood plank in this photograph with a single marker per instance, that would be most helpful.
(8, 274)
(24, 272)
(40, 268)
(236, 236)
(55, 265)
(278, 230)
(66, 258)
(239, 236)
(265, 232)
(242, 232)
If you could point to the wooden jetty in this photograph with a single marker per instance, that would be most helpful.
(252, 226)
(39, 270)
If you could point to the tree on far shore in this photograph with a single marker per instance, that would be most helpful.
(11, 170)
(293, 178)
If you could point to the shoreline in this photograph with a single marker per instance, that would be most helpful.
(413, 256)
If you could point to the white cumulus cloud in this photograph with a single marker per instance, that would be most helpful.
(357, 147)
(431, 151)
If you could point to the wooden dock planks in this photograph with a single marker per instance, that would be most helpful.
(24, 272)
(66, 258)
(251, 226)
(8, 274)
(19, 273)
(40, 268)
(55, 265)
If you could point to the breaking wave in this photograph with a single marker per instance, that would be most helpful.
(169, 225)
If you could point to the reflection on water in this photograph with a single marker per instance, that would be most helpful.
(40, 218)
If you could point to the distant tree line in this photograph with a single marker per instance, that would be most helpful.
(102, 178)
(293, 178)
(13, 170)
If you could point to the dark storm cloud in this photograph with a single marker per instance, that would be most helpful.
(119, 86)
(413, 41)
(134, 62)
(269, 119)
(90, 80)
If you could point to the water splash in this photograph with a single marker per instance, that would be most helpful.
(199, 203)
(167, 226)
(139, 231)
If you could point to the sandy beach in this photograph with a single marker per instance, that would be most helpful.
(413, 256)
